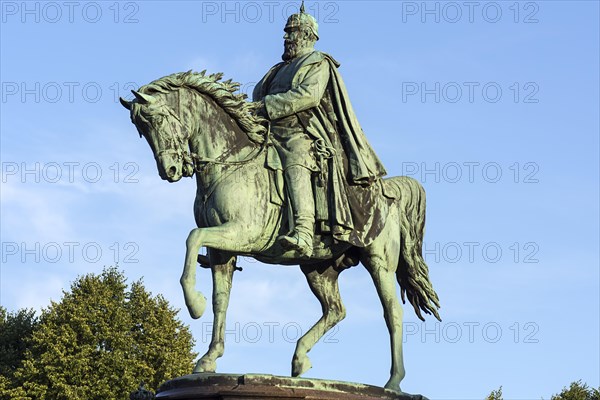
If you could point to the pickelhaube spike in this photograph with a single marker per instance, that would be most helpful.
(302, 19)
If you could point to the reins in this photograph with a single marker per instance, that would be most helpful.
(199, 163)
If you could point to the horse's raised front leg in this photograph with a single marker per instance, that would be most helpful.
(323, 283)
(225, 237)
(222, 267)
(382, 268)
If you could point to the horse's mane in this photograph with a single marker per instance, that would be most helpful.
(222, 92)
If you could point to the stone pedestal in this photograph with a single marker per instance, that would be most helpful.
(269, 387)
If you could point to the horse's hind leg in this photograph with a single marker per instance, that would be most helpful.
(381, 260)
(222, 267)
(323, 283)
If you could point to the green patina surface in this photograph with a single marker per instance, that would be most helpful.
(287, 179)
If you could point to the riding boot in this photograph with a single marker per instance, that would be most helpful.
(299, 187)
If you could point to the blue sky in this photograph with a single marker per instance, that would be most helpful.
(493, 106)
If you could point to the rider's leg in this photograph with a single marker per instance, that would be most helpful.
(299, 187)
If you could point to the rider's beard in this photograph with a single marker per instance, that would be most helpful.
(293, 47)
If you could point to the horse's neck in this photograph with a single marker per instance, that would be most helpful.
(217, 135)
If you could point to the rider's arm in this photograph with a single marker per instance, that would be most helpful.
(306, 95)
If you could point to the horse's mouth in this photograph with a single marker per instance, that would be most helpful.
(174, 179)
(173, 175)
(170, 175)
(168, 170)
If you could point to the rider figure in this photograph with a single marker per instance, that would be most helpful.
(301, 96)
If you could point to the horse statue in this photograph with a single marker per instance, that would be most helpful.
(198, 125)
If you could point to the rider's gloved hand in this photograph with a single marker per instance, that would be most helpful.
(261, 110)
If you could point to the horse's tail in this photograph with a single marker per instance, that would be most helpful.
(412, 272)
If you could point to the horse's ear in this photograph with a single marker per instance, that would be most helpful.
(125, 103)
(142, 98)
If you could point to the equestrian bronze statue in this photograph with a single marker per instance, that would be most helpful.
(287, 179)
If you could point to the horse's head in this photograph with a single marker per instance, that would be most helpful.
(156, 121)
(173, 111)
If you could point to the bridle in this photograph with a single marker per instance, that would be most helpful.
(181, 143)
(196, 162)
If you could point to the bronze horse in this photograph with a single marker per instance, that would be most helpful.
(197, 125)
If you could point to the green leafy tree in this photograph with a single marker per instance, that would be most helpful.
(15, 330)
(495, 395)
(578, 391)
(100, 341)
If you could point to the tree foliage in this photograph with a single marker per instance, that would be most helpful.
(100, 341)
(578, 391)
(15, 330)
(495, 395)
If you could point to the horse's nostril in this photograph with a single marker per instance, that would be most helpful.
(172, 171)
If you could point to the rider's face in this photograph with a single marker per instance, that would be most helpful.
(293, 41)
(291, 35)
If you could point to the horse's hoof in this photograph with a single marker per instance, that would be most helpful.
(196, 305)
(205, 366)
(300, 365)
(394, 385)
